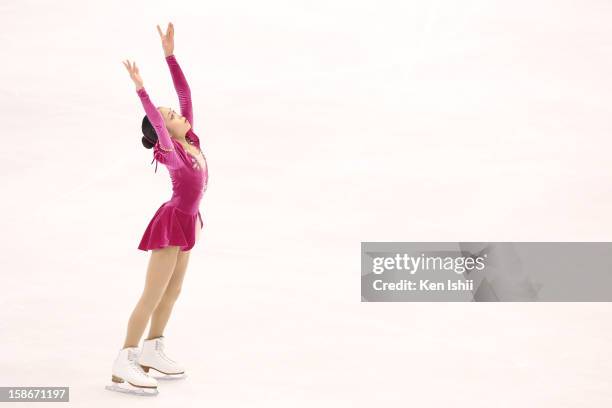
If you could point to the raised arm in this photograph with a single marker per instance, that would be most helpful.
(163, 150)
(178, 78)
(182, 88)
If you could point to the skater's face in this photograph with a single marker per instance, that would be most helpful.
(176, 124)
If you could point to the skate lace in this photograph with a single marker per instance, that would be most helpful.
(159, 346)
(133, 359)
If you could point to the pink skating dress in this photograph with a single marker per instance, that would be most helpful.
(176, 220)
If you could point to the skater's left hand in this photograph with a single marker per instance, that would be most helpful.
(134, 73)
(167, 39)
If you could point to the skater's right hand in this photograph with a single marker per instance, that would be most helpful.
(134, 74)
(167, 39)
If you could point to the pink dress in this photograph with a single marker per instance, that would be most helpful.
(176, 220)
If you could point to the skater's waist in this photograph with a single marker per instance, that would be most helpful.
(188, 206)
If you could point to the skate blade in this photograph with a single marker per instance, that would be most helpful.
(158, 375)
(130, 389)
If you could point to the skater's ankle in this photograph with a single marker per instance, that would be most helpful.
(154, 337)
(128, 346)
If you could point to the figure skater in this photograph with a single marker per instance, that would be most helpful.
(170, 235)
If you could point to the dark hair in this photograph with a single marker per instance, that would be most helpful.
(150, 137)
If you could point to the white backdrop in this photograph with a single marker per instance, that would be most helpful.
(325, 123)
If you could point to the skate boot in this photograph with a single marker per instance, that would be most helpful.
(153, 359)
(129, 377)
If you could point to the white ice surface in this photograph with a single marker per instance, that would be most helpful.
(325, 123)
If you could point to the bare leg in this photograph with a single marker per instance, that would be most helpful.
(160, 270)
(164, 308)
(199, 227)
(162, 312)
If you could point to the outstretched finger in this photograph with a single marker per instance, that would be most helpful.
(171, 29)
(161, 35)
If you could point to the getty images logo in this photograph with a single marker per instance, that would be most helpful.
(413, 264)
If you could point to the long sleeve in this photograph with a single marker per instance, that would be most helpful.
(163, 150)
(182, 88)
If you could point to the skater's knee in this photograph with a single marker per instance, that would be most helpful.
(172, 293)
(148, 302)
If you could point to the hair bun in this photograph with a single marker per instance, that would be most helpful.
(149, 135)
(147, 143)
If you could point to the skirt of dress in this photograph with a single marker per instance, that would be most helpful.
(170, 227)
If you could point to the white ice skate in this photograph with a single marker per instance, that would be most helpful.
(153, 359)
(128, 375)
